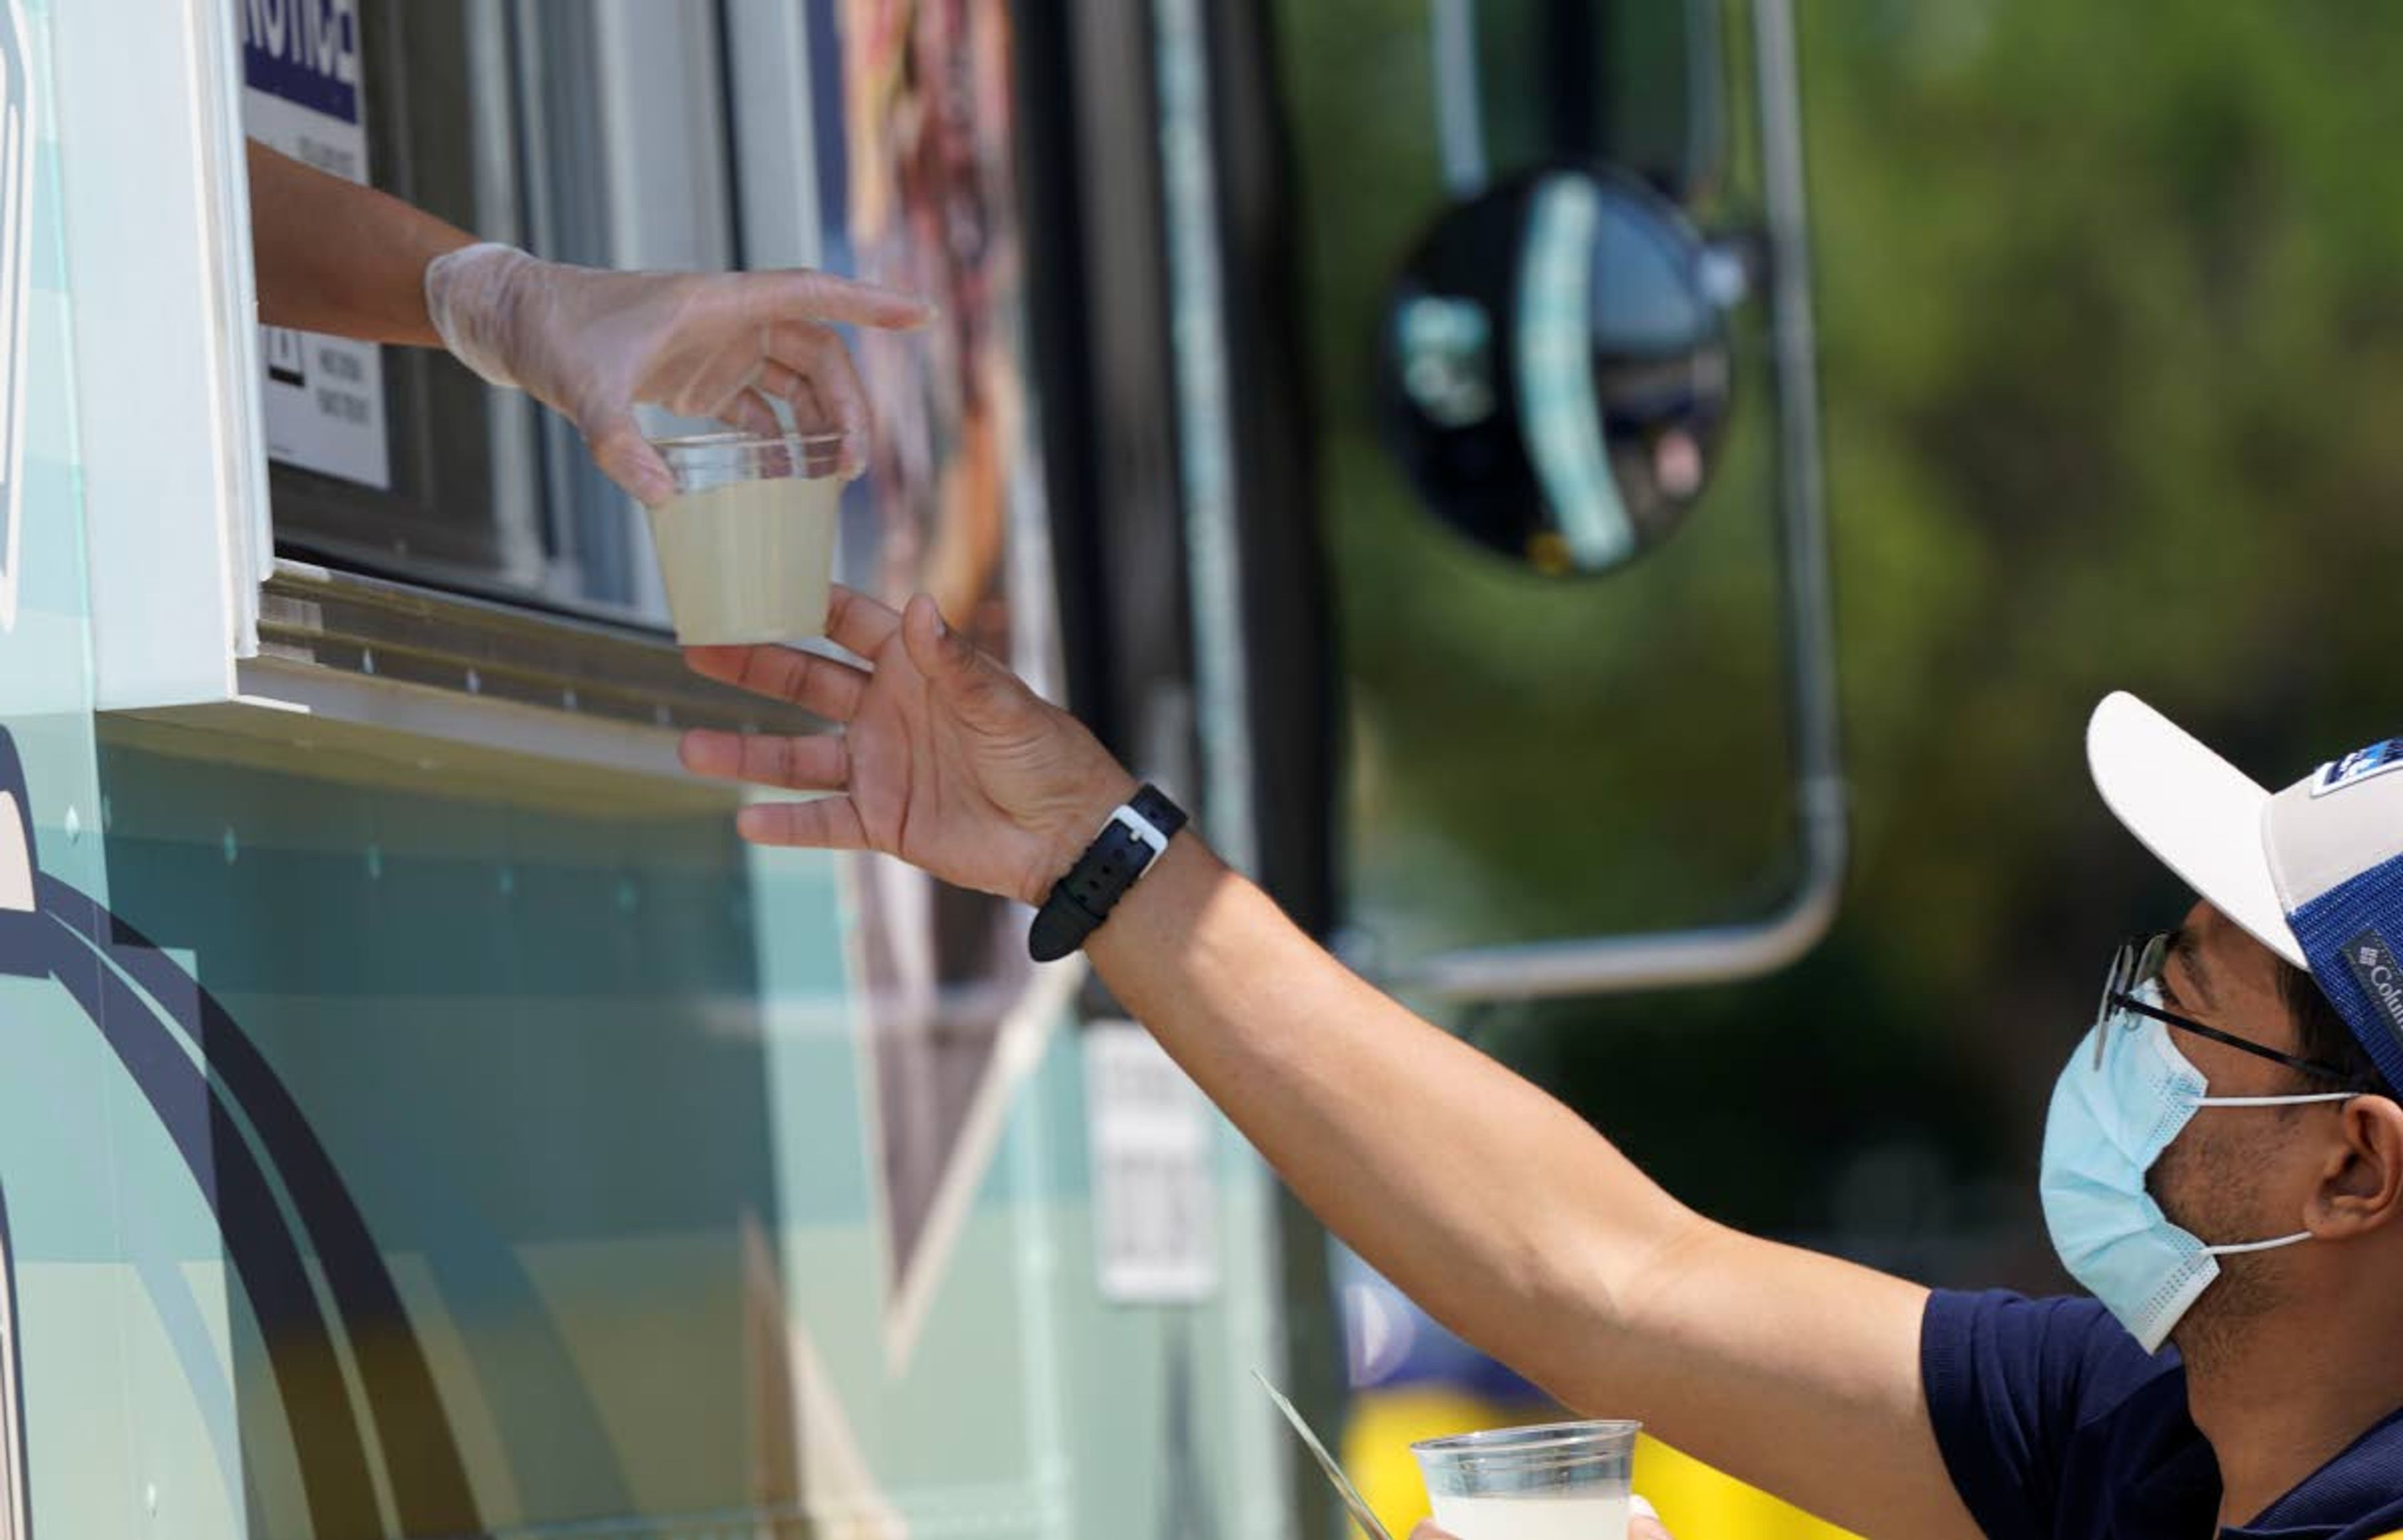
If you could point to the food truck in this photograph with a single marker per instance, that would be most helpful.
(420, 1115)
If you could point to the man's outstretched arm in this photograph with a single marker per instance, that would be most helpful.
(1520, 1227)
(1487, 1200)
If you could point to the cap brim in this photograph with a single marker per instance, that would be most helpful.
(2199, 813)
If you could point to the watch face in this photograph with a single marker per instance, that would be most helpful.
(1556, 373)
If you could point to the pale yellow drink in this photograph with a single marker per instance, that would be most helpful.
(746, 546)
(1603, 1516)
(1559, 1481)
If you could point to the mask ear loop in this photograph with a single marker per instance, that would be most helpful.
(2241, 1248)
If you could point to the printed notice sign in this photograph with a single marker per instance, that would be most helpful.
(302, 95)
(1155, 1229)
(16, 120)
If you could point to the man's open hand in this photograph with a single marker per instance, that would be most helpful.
(946, 759)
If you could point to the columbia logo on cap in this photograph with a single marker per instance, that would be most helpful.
(2373, 968)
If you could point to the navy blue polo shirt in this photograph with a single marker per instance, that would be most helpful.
(2056, 1426)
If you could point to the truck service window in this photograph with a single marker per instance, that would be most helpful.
(571, 127)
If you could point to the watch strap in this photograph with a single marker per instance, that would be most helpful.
(1138, 830)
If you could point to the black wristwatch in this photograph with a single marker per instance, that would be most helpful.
(1129, 843)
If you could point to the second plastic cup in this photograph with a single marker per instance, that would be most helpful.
(1561, 1482)
(746, 545)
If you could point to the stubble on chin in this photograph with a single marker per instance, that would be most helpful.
(2213, 1188)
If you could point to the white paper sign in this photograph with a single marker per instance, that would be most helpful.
(16, 282)
(302, 95)
(1155, 1208)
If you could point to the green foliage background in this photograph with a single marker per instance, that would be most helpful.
(2110, 304)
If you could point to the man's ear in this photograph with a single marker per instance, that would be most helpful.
(2361, 1181)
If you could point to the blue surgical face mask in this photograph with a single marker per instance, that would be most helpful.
(2111, 1119)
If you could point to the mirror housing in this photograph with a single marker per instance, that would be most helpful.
(1555, 369)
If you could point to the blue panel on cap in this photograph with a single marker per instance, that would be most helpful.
(2363, 915)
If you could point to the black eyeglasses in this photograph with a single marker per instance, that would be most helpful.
(2139, 963)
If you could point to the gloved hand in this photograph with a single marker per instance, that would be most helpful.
(591, 344)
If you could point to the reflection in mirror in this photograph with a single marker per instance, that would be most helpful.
(1555, 369)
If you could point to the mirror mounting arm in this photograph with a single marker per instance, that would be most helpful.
(1723, 954)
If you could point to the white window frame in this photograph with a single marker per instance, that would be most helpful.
(166, 355)
(194, 618)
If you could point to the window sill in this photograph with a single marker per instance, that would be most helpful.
(372, 680)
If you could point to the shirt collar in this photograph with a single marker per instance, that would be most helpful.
(2363, 1478)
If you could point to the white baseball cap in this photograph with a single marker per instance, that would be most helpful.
(2314, 872)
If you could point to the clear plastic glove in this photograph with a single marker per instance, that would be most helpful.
(591, 344)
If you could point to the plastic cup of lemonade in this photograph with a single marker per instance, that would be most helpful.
(1561, 1482)
(746, 545)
